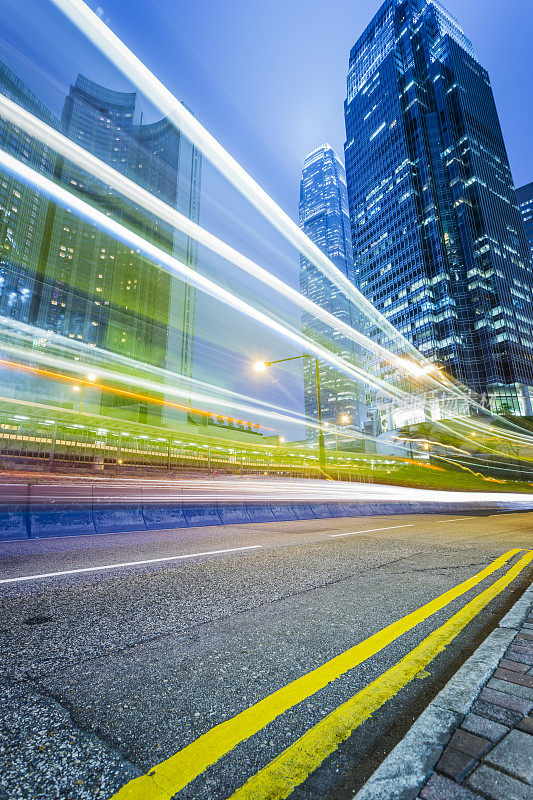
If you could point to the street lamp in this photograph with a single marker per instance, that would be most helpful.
(344, 419)
(261, 366)
(90, 378)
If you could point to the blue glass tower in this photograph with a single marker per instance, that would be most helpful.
(525, 201)
(324, 218)
(438, 240)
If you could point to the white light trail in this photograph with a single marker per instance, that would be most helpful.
(131, 66)
(96, 356)
(119, 54)
(173, 265)
(128, 188)
(80, 368)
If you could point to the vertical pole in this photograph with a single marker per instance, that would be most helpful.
(321, 447)
(53, 445)
(169, 454)
(337, 454)
(81, 398)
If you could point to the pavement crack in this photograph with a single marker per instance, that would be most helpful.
(97, 736)
(442, 568)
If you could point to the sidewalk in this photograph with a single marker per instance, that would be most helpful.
(475, 740)
(490, 755)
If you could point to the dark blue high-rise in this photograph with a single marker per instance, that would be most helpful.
(438, 240)
(525, 200)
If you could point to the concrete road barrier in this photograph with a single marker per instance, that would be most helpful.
(283, 512)
(60, 511)
(233, 515)
(40, 510)
(14, 520)
(260, 512)
(162, 517)
(198, 516)
(303, 511)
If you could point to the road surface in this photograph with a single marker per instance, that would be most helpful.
(253, 646)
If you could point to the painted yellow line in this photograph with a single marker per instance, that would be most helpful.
(171, 775)
(290, 769)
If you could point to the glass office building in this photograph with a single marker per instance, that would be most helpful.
(22, 209)
(525, 200)
(78, 281)
(323, 216)
(437, 235)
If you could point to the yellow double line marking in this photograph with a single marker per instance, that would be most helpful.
(173, 774)
(279, 778)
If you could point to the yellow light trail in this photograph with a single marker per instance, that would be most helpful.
(173, 265)
(97, 355)
(58, 376)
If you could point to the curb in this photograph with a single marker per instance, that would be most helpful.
(406, 769)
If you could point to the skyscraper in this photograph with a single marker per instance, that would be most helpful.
(95, 289)
(524, 196)
(324, 218)
(438, 240)
(22, 209)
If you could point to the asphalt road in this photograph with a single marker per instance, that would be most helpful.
(109, 672)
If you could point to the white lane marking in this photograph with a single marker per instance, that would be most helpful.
(370, 530)
(128, 564)
(455, 519)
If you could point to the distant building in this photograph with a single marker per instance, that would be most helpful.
(438, 240)
(324, 218)
(77, 281)
(22, 209)
(524, 195)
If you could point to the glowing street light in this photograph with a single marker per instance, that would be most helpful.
(91, 378)
(260, 366)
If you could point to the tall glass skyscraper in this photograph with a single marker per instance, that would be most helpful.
(324, 218)
(438, 240)
(22, 209)
(525, 201)
(89, 286)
